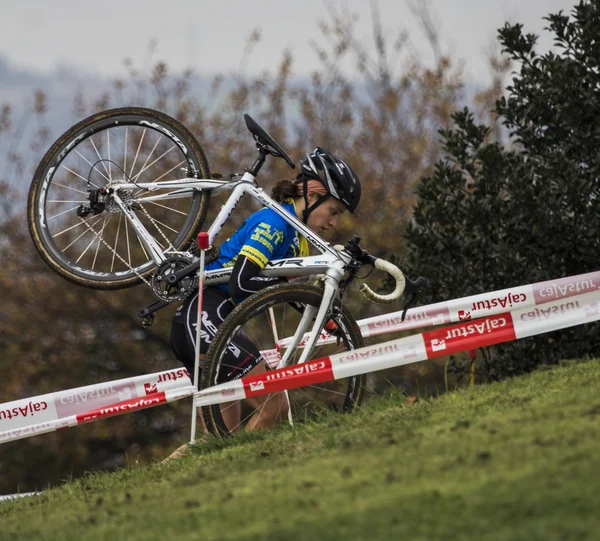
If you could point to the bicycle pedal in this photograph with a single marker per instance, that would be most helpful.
(148, 321)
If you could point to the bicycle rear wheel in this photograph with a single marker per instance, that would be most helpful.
(101, 250)
(254, 328)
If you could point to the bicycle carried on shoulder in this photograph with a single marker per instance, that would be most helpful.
(119, 199)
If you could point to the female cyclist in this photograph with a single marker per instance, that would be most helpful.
(325, 188)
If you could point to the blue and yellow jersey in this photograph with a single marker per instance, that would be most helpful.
(263, 237)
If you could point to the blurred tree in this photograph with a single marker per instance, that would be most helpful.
(55, 336)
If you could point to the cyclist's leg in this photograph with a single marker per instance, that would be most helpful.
(241, 359)
(254, 317)
(215, 308)
(269, 410)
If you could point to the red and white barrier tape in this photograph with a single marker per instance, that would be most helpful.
(46, 413)
(503, 327)
(126, 406)
(467, 308)
(49, 412)
(19, 495)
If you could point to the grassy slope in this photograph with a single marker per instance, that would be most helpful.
(516, 460)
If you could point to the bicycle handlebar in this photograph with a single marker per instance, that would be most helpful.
(396, 273)
(404, 286)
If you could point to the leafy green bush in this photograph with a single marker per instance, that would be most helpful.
(492, 217)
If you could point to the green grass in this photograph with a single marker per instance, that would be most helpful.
(512, 461)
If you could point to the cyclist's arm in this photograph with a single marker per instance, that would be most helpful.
(264, 241)
(244, 279)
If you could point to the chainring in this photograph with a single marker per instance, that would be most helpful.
(173, 292)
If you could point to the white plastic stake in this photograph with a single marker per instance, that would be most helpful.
(203, 246)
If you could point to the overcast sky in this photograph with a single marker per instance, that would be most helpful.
(209, 36)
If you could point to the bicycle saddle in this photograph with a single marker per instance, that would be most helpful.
(267, 143)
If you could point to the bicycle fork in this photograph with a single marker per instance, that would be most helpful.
(331, 281)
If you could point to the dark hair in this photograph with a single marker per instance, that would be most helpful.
(284, 189)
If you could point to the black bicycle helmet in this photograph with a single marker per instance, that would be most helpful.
(335, 174)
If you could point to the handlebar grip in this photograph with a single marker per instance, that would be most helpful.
(396, 273)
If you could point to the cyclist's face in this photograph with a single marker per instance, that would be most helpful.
(326, 215)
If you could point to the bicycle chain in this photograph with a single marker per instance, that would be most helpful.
(115, 253)
(99, 237)
(156, 225)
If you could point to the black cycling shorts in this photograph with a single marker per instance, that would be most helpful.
(242, 355)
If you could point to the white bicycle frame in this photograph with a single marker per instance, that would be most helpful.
(329, 264)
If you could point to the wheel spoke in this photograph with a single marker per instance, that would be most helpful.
(76, 239)
(69, 187)
(331, 391)
(99, 240)
(137, 153)
(78, 175)
(150, 165)
(311, 398)
(88, 246)
(138, 191)
(100, 158)
(92, 166)
(109, 162)
(164, 225)
(167, 172)
(82, 222)
(147, 158)
(112, 263)
(229, 405)
(63, 212)
(252, 413)
(166, 207)
(142, 244)
(261, 408)
(125, 151)
(128, 245)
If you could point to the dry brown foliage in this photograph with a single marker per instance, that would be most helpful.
(53, 335)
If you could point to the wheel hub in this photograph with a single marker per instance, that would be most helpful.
(126, 197)
(102, 199)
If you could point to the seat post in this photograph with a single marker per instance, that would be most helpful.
(258, 163)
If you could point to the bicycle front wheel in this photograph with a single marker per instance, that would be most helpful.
(100, 249)
(255, 329)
